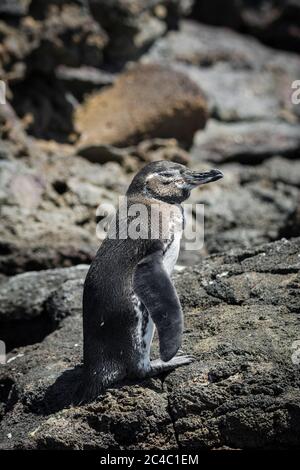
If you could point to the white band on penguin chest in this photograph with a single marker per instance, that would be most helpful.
(172, 246)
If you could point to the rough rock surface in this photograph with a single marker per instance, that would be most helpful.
(48, 208)
(242, 79)
(246, 142)
(203, 45)
(49, 198)
(38, 38)
(241, 322)
(132, 109)
(26, 319)
(49, 195)
(134, 25)
(252, 205)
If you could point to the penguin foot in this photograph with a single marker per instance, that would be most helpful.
(158, 366)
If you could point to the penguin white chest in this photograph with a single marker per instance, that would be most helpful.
(172, 246)
(171, 253)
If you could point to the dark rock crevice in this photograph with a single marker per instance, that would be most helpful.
(26, 332)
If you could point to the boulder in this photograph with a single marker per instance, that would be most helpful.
(246, 142)
(27, 319)
(239, 95)
(204, 46)
(132, 110)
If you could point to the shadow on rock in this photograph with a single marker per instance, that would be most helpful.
(61, 394)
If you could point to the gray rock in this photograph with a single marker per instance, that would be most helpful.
(14, 7)
(203, 45)
(15, 302)
(81, 80)
(236, 95)
(241, 323)
(249, 142)
(242, 78)
(49, 208)
(250, 206)
(34, 303)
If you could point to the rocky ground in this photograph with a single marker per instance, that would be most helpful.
(95, 92)
(241, 322)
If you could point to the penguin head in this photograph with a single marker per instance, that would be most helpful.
(169, 182)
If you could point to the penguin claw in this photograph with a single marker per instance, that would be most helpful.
(181, 360)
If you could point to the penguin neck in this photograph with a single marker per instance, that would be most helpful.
(149, 199)
(145, 194)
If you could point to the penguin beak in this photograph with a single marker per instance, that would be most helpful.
(195, 178)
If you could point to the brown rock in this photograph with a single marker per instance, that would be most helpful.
(146, 101)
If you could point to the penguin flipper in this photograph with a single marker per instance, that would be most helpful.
(153, 286)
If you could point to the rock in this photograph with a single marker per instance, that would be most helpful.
(67, 35)
(14, 7)
(103, 153)
(179, 109)
(250, 206)
(162, 149)
(65, 249)
(291, 226)
(204, 46)
(26, 319)
(242, 391)
(32, 49)
(239, 95)
(13, 135)
(81, 80)
(249, 142)
(242, 79)
(16, 305)
(49, 203)
(145, 151)
(133, 26)
(280, 170)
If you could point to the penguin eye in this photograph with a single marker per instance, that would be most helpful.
(167, 174)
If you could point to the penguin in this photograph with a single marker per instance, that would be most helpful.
(128, 291)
